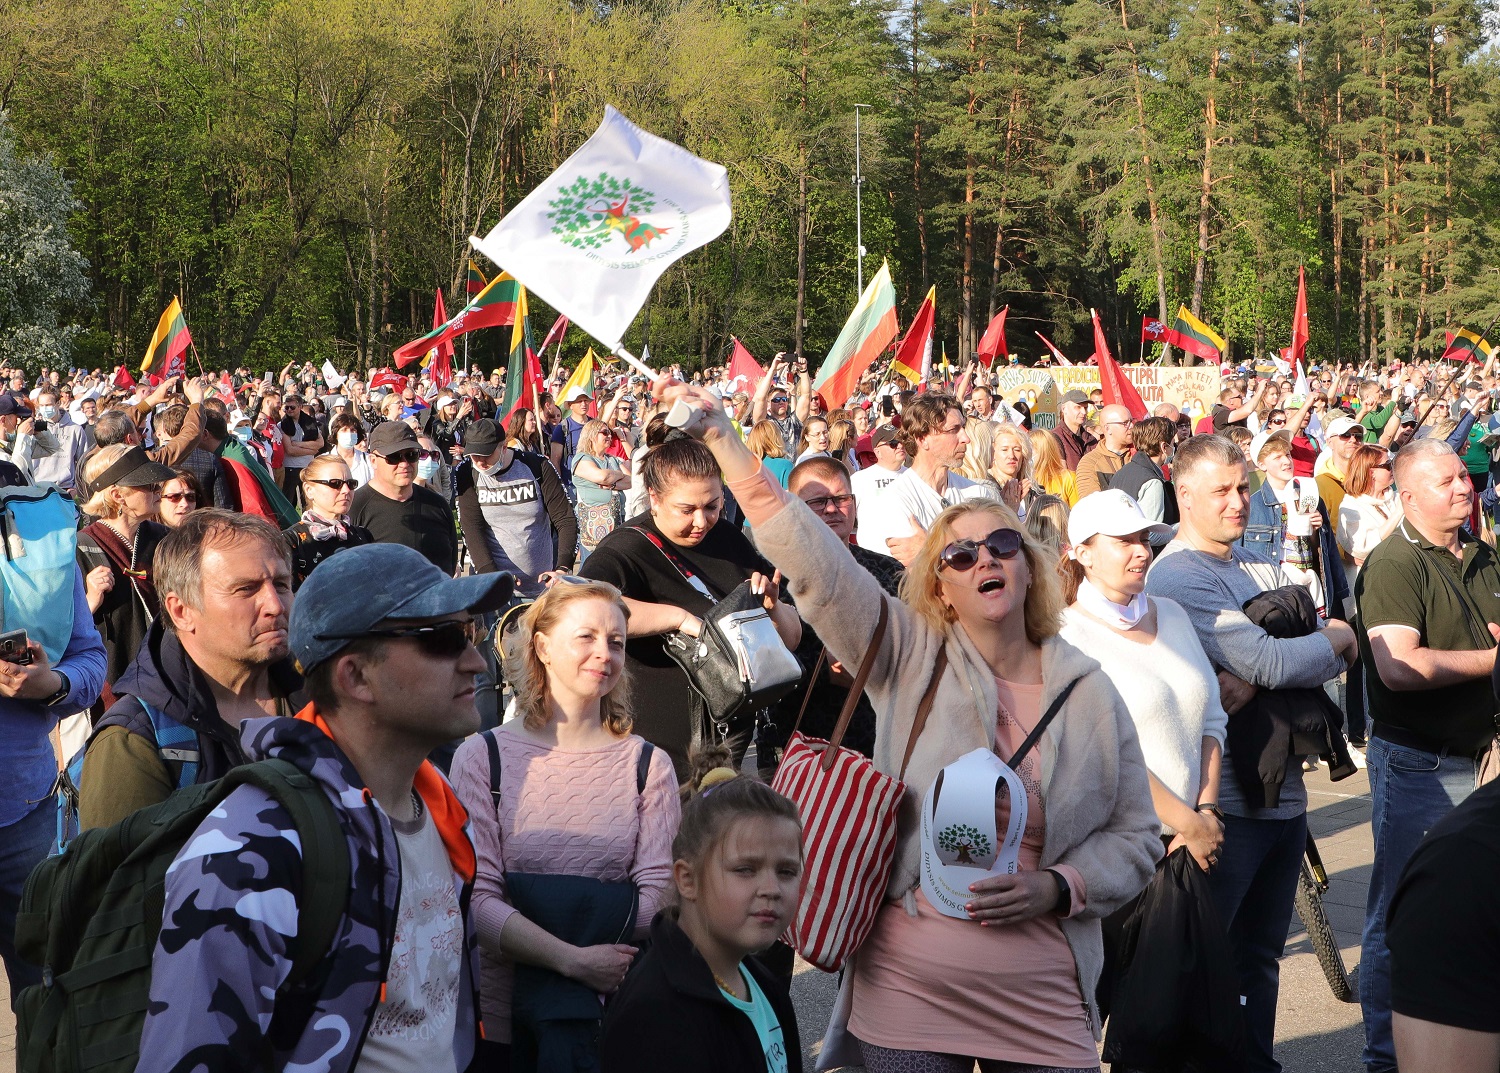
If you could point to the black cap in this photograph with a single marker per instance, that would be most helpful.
(884, 434)
(482, 438)
(391, 437)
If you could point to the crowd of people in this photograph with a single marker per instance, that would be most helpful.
(1153, 625)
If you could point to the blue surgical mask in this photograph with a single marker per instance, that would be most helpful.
(427, 468)
(243, 433)
(47, 413)
(348, 437)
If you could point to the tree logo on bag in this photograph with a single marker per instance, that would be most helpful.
(964, 842)
(616, 221)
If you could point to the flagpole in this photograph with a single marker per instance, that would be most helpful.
(619, 351)
(196, 357)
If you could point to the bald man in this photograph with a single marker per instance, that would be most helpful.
(1108, 456)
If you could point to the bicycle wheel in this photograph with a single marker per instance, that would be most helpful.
(1309, 904)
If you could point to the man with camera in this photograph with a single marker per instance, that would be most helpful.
(774, 400)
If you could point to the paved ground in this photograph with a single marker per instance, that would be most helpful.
(1315, 1033)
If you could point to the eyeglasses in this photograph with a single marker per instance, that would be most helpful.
(1128, 423)
(440, 640)
(1352, 434)
(961, 555)
(1278, 421)
(821, 503)
(181, 497)
(338, 484)
(431, 454)
(1381, 465)
(778, 398)
(408, 456)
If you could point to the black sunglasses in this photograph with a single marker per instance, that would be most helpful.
(409, 456)
(440, 640)
(961, 555)
(338, 484)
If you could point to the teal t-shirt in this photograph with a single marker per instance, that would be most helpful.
(763, 1017)
(589, 493)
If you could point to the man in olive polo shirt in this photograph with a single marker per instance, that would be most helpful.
(1429, 601)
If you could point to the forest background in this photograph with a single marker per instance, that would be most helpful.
(305, 174)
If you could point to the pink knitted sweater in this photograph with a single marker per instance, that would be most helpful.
(561, 813)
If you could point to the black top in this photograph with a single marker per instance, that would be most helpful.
(1407, 581)
(423, 522)
(659, 694)
(669, 1014)
(307, 553)
(1442, 929)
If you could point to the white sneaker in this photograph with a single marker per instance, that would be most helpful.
(1310, 763)
(1358, 756)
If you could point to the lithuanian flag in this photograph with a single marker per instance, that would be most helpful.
(913, 361)
(1467, 346)
(474, 282)
(492, 307)
(1191, 334)
(523, 376)
(171, 338)
(868, 331)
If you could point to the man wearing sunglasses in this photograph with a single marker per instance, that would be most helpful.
(395, 509)
(774, 400)
(1344, 435)
(513, 510)
(391, 677)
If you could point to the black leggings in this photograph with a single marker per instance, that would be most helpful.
(885, 1060)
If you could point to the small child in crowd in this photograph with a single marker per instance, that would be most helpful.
(697, 999)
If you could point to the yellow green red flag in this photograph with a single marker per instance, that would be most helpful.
(868, 331)
(171, 338)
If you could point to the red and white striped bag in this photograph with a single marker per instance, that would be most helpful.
(848, 813)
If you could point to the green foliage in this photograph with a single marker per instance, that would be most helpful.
(304, 173)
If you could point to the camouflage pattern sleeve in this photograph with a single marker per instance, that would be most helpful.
(230, 915)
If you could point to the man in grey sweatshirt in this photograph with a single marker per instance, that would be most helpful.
(1212, 577)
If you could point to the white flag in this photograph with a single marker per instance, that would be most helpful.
(592, 240)
(331, 376)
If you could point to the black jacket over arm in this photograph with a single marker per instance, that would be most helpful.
(670, 1015)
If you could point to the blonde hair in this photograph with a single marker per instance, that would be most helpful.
(765, 439)
(1018, 434)
(922, 587)
(979, 455)
(101, 504)
(591, 428)
(320, 465)
(528, 676)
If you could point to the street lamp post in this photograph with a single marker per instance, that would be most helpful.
(859, 235)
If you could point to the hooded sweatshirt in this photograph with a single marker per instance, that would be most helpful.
(230, 921)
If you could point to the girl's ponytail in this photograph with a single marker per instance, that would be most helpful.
(715, 796)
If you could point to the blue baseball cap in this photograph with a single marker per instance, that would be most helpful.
(357, 589)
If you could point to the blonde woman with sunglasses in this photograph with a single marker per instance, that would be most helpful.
(1005, 976)
(327, 488)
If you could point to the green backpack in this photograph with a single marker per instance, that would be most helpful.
(90, 917)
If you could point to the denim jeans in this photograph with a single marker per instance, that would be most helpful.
(23, 845)
(1410, 791)
(1254, 885)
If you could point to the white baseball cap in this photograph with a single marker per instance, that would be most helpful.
(1112, 513)
(1340, 425)
(1258, 444)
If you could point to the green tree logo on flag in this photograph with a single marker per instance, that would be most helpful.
(589, 214)
(964, 841)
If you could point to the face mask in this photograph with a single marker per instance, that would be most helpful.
(47, 413)
(427, 469)
(348, 438)
(243, 433)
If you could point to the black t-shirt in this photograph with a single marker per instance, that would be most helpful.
(1443, 928)
(307, 553)
(1221, 419)
(659, 695)
(423, 522)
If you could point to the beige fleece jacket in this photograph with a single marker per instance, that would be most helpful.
(1099, 816)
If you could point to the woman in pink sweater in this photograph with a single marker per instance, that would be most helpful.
(575, 794)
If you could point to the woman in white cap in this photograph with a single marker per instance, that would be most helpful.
(1149, 649)
(1004, 971)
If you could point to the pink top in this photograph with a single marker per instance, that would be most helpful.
(561, 813)
(1010, 992)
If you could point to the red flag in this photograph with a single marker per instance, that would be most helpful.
(915, 352)
(226, 388)
(744, 371)
(993, 342)
(555, 333)
(122, 378)
(1299, 319)
(440, 357)
(1117, 390)
(1152, 330)
(387, 379)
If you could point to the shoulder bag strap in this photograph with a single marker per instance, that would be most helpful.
(1481, 633)
(1041, 726)
(856, 690)
(694, 582)
(643, 767)
(924, 709)
(491, 744)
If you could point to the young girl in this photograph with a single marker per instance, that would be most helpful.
(696, 999)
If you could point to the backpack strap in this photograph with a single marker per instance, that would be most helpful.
(493, 745)
(643, 767)
(176, 744)
(325, 859)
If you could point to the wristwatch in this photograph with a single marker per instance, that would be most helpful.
(62, 694)
(1064, 904)
(1212, 807)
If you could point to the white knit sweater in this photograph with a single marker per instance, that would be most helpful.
(1168, 686)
